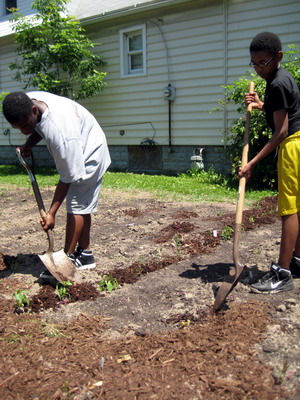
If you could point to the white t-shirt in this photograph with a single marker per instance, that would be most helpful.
(73, 137)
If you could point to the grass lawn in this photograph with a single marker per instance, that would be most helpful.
(204, 186)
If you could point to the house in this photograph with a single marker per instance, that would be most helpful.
(166, 61)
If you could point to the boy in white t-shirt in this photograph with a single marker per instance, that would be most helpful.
(79, 149)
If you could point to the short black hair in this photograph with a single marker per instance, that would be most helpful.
(266, 41)
(15, 106)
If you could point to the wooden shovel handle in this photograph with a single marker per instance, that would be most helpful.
(37, 195)
(42, 212)
(234, 273)
(247, 129)
(242, 183)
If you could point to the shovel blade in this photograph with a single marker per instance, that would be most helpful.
(60, 266)
(227, 286)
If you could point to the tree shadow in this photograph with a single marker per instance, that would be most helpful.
(208, 273)
(212, 273)
(27, 264)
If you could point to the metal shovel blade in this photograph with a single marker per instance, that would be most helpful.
(60, 266)
(227, 286)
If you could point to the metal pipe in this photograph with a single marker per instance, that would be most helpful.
(170, 126)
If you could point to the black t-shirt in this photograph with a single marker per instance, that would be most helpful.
(282, 92)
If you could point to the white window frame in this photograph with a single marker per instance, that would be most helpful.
(125, 54)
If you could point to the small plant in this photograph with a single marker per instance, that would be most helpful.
(21, 298)
(15, 266)
(256, 251)
(142, 260)
(140, 266)
(51, 330)
(14, 338)
(138, 269)
(251, 219)
(226, 233)
(108, 283)
(178, 243)
(62, 289)
(282, 373)
(185, 322)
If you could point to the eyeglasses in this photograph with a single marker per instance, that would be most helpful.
(263, 65)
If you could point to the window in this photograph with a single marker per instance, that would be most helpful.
(133, 51)
(10, 4)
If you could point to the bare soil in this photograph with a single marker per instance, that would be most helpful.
(155, 336)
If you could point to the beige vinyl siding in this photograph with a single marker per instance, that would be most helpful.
(201, 60)
(8, 84)
(247, 18)
(207, 47)
(194, 42)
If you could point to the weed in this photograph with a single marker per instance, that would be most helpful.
(108, 283)
(251, 219)
(120, 256)
(141, 263)
(256, 251)
(15, 266)
(62, 289)
(67, 391)
(138, 269)
(226, 233)
(282, 373)
(14, 338)
(21, 298)
(178, 243)
(51, 330)
(184, 322)
(142, 260)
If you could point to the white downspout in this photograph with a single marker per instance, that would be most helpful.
(225, 27)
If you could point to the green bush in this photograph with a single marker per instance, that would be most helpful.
(265, 173)
(2, 95)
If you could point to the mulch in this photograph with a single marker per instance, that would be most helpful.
(212, 359)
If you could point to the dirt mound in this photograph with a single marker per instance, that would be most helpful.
(47, 297)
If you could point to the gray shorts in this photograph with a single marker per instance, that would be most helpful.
(83, 197)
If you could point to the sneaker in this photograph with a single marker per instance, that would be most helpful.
(84, 259)
(275, 281)
(295, 267)
(72, 257)
(78, 251)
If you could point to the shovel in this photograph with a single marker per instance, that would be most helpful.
(236, 271)
(56, 262)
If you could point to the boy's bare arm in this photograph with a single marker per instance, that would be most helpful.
(58, 198)
(281, 131)
(33, 139)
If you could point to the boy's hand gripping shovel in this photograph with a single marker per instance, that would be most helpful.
(56, 262)
(236, 271)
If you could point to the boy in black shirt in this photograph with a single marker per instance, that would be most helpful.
(282, 107)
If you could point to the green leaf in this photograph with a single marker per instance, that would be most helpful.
(54, 53)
